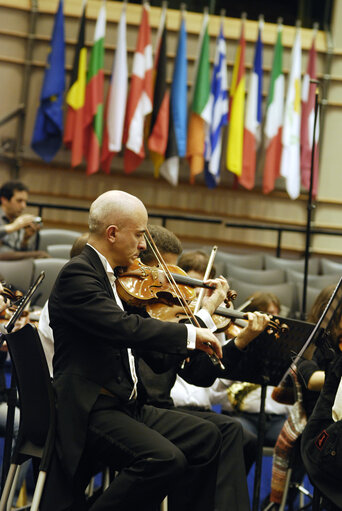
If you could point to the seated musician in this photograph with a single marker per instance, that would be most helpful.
(243, 398)
(311, 374)
(237, 445)
(100, 417)
(6, 314)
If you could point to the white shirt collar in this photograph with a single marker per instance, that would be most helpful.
(108, 269)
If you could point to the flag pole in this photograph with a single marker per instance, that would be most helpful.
(310, 205)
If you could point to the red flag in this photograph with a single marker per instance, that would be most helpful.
(139, 102)
(116, 99)
(159, 130)
(307, 124)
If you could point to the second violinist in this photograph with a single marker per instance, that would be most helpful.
(238, 446)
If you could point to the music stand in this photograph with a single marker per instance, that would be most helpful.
(267, 358)
(321, 329)
(12, 393)
(264, 362)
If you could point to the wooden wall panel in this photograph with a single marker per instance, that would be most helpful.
(59, 183)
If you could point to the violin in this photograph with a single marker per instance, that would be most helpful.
(223, 318)
(140, 285)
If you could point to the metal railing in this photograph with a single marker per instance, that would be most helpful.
(280, 229)
(166, 217)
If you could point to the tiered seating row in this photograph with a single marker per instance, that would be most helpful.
(248, 273)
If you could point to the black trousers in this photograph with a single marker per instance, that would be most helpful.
(158, 453)
(231, 486)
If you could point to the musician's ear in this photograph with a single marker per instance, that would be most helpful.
(111, 232)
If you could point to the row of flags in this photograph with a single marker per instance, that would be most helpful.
(151, 115)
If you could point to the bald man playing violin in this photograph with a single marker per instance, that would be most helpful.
(100, 419)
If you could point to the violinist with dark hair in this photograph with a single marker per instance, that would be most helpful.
(238, 450)
(100, 418)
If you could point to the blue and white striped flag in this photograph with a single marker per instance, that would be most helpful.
(219, 113)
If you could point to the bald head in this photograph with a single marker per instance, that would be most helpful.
(113, 207)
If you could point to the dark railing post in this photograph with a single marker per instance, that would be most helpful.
(280, 232)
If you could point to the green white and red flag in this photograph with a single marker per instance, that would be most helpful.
(200, 106)
(274, 118)
(93, 115)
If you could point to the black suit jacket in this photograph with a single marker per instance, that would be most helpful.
(92, 334)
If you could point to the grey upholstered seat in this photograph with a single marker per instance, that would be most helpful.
(59, 251)
(311, 295)
(329, 266)
(51, 267)
(255, 261)
(272, 262)
(18, 273)
(286, 292)
(263, 277)
(56, 237)
(317, 281)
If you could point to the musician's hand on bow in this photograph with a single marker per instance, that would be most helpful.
(21, 322)
(207, 341)
(257, 322)
(213, 298)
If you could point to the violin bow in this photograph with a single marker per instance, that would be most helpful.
(188, 312)
(206, 276)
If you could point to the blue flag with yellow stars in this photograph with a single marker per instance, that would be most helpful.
(48, 130)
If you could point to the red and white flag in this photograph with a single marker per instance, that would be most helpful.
(307, 124)
(116, 99)
(139, 102)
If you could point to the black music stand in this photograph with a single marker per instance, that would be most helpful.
(12, 392)
(320, 332)
(265, 361)
(268, 358)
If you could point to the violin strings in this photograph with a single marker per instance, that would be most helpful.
(167, 273)
(170, 278)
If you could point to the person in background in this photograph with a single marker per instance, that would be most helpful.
(242, 399)
(309, 377)
(312, 372)
(44, 330)
(17, 230)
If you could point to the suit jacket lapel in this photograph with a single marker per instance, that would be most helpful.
(98, 266)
